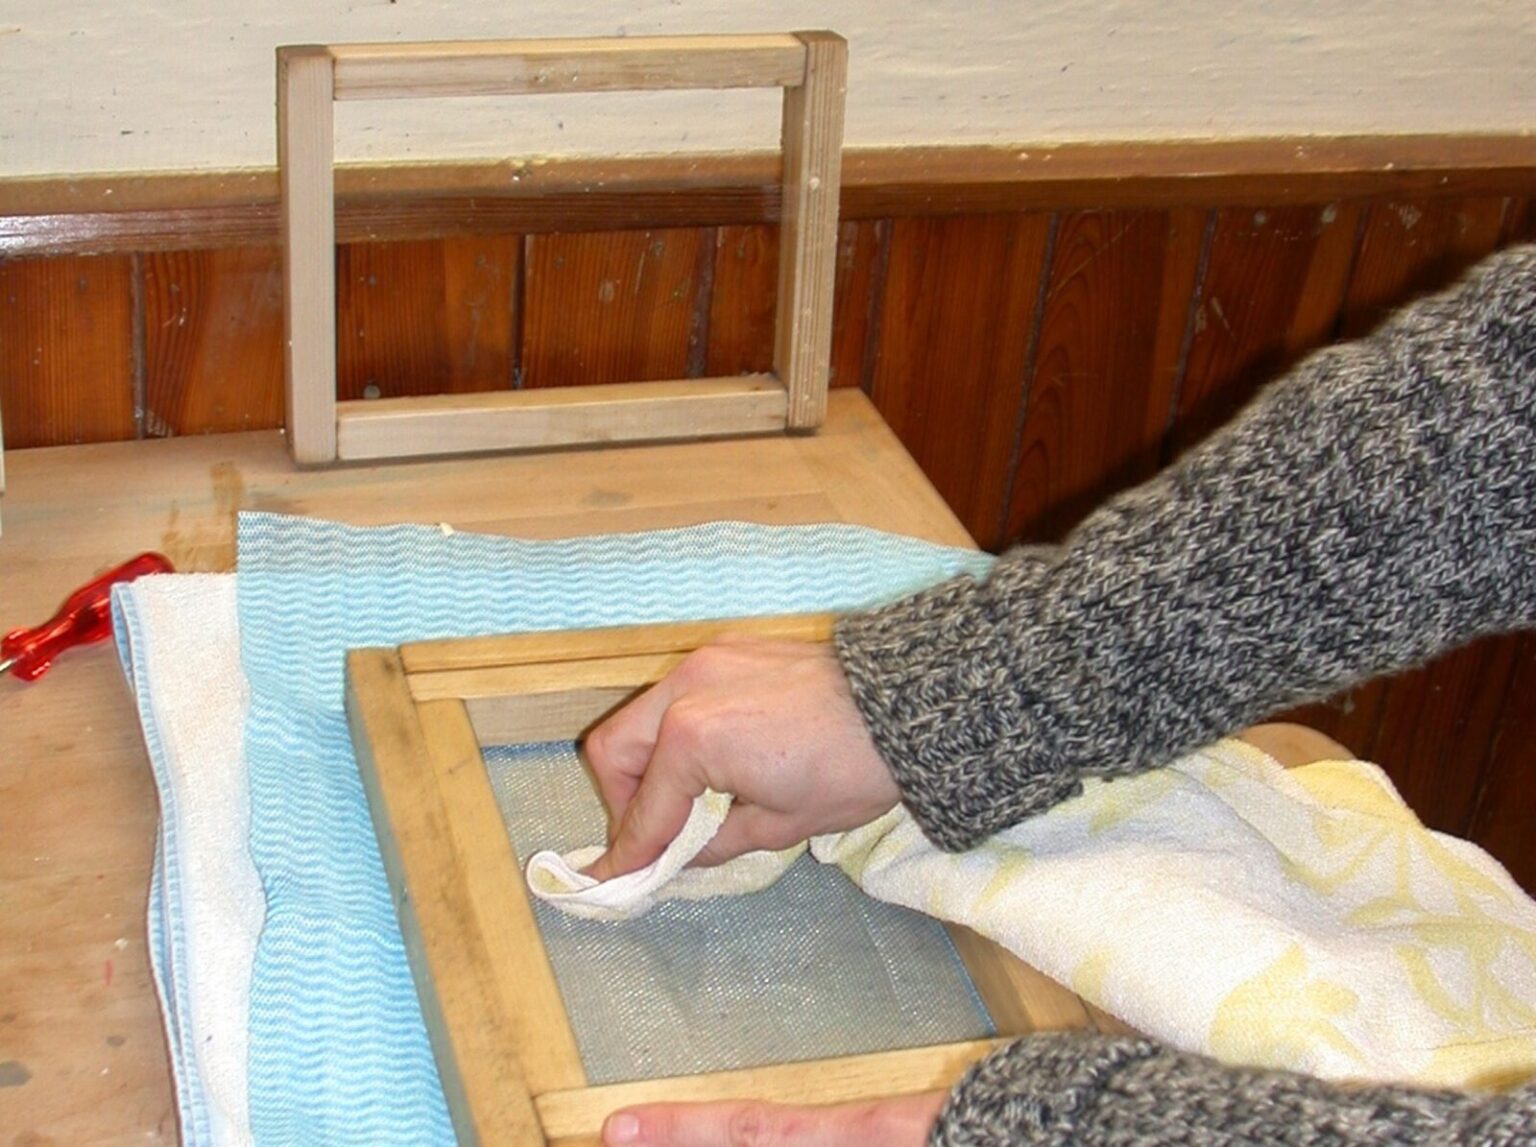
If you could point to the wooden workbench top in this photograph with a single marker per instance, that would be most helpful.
(82, 1056)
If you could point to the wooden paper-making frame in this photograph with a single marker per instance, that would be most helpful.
(419, 716)
(810, 67)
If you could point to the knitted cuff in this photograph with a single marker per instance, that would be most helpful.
(1042, 1090)
(1069, 1088)
(936, 679)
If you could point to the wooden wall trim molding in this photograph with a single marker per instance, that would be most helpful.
(160, 211)
(1364, 164)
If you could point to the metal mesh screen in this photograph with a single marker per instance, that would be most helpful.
(809, 968)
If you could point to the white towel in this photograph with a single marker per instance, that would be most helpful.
(180, 644)
(1300, 919)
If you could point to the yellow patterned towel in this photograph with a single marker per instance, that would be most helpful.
(1302, 919)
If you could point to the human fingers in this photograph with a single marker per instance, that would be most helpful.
(901, 1122)
(660, 806)
(747, 828)
(618, 749)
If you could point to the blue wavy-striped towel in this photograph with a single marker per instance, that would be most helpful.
(338, 1052)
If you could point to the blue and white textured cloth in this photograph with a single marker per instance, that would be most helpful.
(338, 1053)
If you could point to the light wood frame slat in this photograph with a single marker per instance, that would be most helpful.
(511, 1073)
(571, 1114)
(306, 156)
(530, 67)
(529, 419)
(810, 67)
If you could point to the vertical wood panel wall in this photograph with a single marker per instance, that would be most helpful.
(1033, 362)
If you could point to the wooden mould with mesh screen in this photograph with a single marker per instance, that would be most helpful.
(505, 1051)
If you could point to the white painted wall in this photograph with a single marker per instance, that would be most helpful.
(160, 84)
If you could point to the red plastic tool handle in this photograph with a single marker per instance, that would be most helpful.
(86, 616)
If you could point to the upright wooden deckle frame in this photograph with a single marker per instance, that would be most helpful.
(419, 716)
(810, 67)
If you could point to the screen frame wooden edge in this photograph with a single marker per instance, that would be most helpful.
(476, 956)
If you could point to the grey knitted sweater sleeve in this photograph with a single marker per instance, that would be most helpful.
(1102, 1092)
(1371, 508)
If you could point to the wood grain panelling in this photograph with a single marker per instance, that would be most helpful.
(66, 350)
(1520, 221)
(213, 341)
(1273, 286)
(955, 325)
(429, 317)
(610, 307)
(742, 300)
(1437, 729)
(1506, 807)
(862, 251)
(744, 291)
(1112, 331)
(1410, 247)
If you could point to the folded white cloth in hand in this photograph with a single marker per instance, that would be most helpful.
(561, 881)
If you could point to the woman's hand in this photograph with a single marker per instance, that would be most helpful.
(773, 723)
(901, 1122)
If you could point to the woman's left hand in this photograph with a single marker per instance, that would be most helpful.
(901, 1122)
